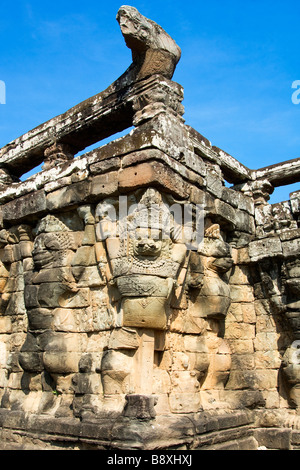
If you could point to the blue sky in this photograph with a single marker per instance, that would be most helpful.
(239, 60)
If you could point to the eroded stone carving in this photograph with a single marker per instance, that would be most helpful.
(216, 258)
(291, 359)
(50, 289)
(56, 154)
(210, 298)
(151, 46)
(145, 263)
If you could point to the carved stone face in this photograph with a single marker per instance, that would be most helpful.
(50, 249)
(140, 33)
(145, 263)
(133, 24)
(43, 251)
(52, 243)
(146, 246)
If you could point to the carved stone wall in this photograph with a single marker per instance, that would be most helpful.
(144, 304)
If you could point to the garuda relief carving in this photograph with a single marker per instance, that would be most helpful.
(144, 261)
(104, 290)
(144, 264)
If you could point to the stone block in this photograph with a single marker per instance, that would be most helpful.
(214, 184)
(186, 322)
(123, 338)
(47, 294)
(240, 331)
(16, 304)
(248, 311)
(31, 296)
(59, 183)
(267, 379)
(140, 407)
(14, 284)
(184, 381)
(226, 212)
(105, 166)
(61, 275)
(87, 383)
(117, 361)
(272, 399)
(69, 196)
(85, 256)
(25, 248)
(28, 205)
(154, 173)
(104, 185)
(291, 247)
(265, 248)
(64, 319)
(295, 202)
(241, 312)
(241, 346)
(240, 275)
(273, 439)
(242, 361)
(88, 276)
(184, 402)
(31, 361)
(195, 344)
(245, 222)
(40, 318)
(242, 379)
(267, 359)
(235, 313)
(241, 293)
(145, 312)
(78, 299)
(266, 341)
(61, 362)
(295, 439)
(266, 323)
(5, 325)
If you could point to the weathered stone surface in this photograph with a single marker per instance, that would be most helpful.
(29, 205)
(265, 248)
(152, 174)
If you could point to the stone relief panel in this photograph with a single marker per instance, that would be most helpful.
(291, 358)
(16, 247)
(200, 317)
(145, 263)
(120, 307)
(280, 283)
